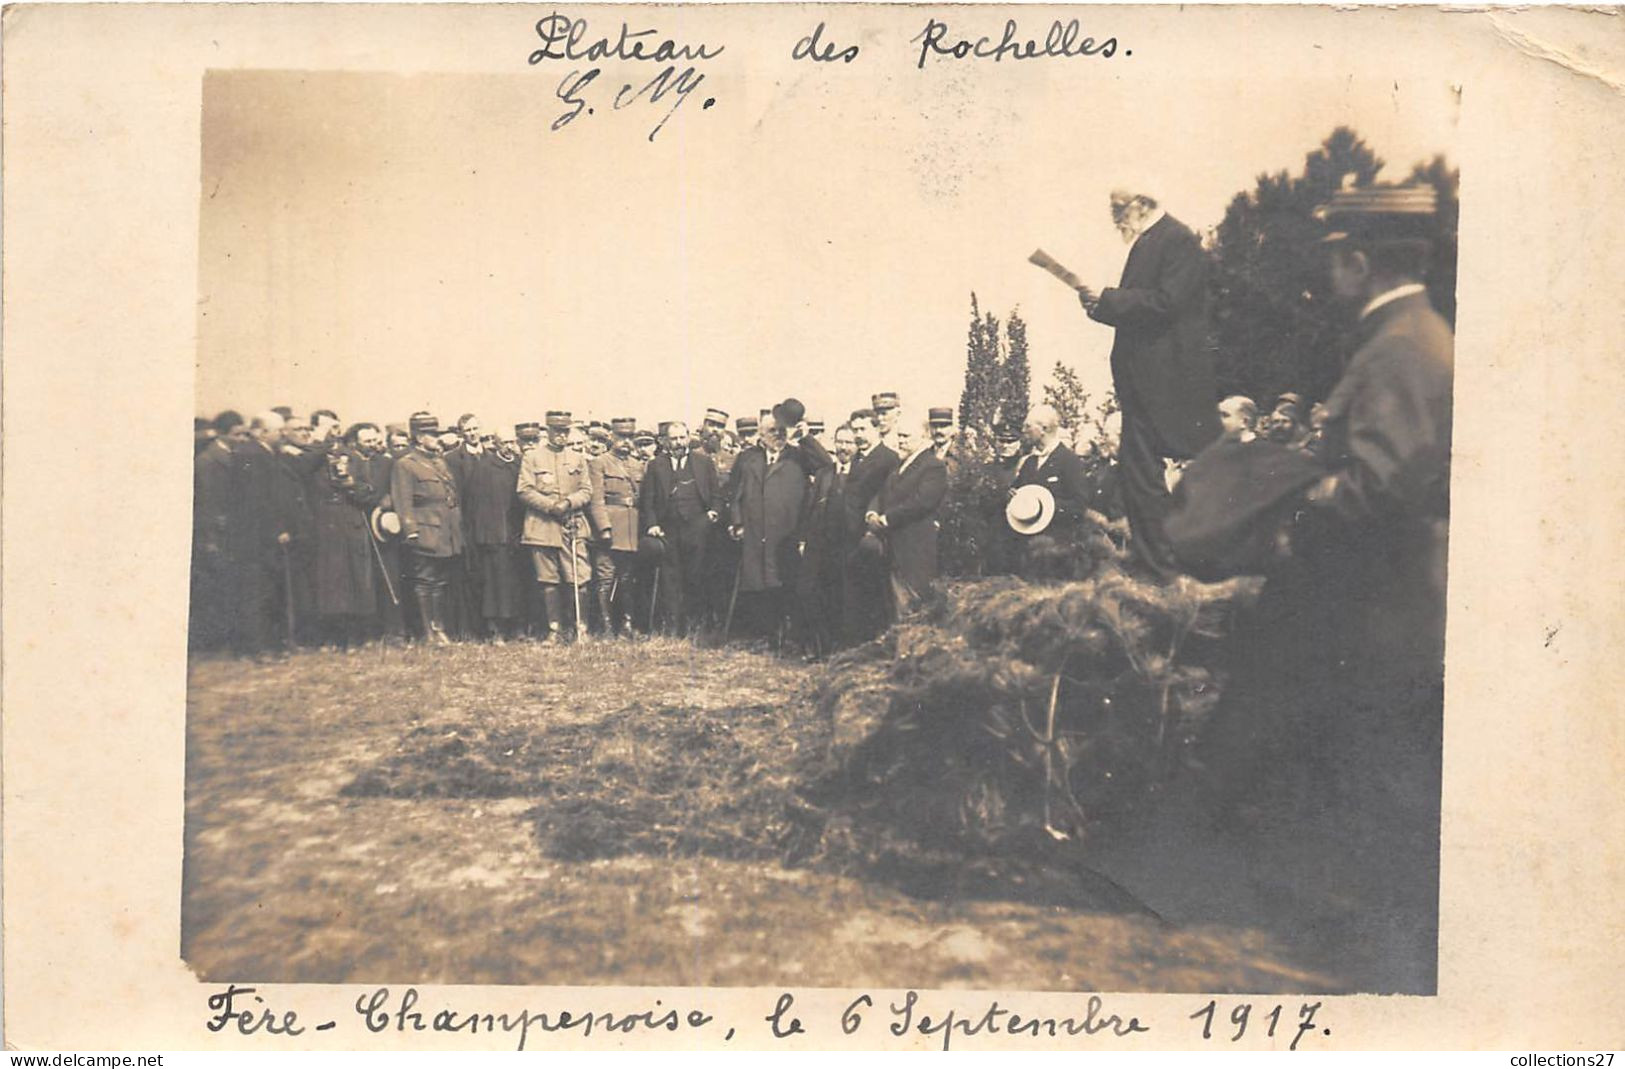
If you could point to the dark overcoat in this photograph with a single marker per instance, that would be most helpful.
(1162, 363)
(770, 504)
(909, 502)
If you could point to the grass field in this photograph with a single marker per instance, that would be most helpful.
(621, 813)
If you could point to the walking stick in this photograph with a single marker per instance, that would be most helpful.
(377, 555)
(575, 571)
(727, 625)
(654, 599)
(287, 590)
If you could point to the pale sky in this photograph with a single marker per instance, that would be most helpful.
(378, 243)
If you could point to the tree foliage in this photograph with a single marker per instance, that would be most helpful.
(1276, 326)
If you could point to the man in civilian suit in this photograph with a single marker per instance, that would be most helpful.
(1051, 463)
(1162, 366)
(904, 516)
(678, 504)
(864, 590)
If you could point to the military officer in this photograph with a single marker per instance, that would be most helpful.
(885, 406)
(424, 494)
(556, 490)
(613, 514)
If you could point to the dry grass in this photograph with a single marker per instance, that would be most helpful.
(610, 813)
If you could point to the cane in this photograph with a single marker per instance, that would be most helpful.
(654, 599)
(575, 571)
(377, 555)
(287, 590)
(727, 625)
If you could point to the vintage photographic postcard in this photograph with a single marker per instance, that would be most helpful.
(793, 527)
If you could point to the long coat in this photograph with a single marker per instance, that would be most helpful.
(770, 504)
(488, 484)
(869, 474)
(342, 571)
(1388, 427)
(1162, 364)
(909, 503)
(555, 488)
(424, 493)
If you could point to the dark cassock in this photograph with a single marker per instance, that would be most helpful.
(1162, 371)
(342, 567)
(907, 509)
(488, 481)
(211, 602)
(676, 495)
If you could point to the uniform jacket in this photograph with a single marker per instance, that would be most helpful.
(1388, 430)
(556, 490)
(656, 507)
(424, 494)
(1161, 361)
(909, 502)
(614, 505)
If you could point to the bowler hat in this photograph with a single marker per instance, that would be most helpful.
(790, 411)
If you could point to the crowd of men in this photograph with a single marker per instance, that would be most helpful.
(309, 532)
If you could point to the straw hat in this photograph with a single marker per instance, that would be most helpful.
(385, 524)
(1030, 509)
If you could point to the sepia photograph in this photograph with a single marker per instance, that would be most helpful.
(591, 596)
(748, 509)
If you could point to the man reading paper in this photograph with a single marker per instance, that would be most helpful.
(1162, 366)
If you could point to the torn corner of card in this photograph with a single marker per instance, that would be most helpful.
(1050, 264)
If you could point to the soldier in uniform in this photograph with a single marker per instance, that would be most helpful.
(885, 406)
(613, 514)
(648, 446)
(424, 493)
(556, 490)
(397, 440)
(598, 438)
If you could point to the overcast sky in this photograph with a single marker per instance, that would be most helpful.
(378, 243)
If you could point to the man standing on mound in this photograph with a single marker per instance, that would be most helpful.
(1162, 366)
